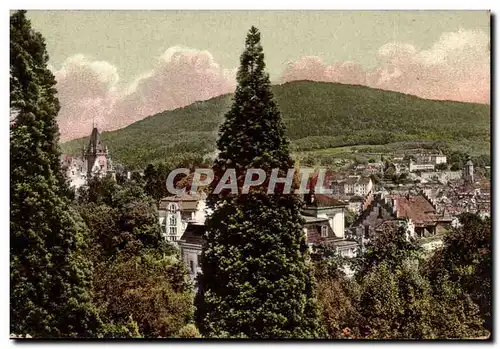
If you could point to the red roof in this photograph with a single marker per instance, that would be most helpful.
(416, 208)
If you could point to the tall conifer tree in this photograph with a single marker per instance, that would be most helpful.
(256, 280)
(50, 280)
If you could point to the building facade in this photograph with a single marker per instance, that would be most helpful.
(355, 185)
(178, 211)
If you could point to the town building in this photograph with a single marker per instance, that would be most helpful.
(421, 166)
(437, 159)
(354, 185)
(426, 162)
(191, 244)
(178, 211)
(420, 210)
(441, 176)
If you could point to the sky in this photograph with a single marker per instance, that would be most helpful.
(117, 67)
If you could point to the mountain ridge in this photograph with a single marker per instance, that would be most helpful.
(335, 115)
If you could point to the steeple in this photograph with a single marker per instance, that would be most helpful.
(95, 143)
(468, 172)
(96, 154)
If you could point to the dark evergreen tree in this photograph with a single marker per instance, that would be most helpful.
(50, 279)
(256, 280)
(33, 84)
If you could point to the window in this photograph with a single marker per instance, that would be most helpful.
(173, 230)
(324, 231)
(173, 221)
(191, 266)
(172, 207)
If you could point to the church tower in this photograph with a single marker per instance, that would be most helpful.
(96, 156)
(468, 172)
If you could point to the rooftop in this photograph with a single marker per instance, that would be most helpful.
(310, 219)
(194, 234)
(417, 208)
(322, 200)
(187, 202)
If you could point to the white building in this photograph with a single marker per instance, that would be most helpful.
(421, 166)
(363, 187)
(354, 185)
(438, 159)
(337, 187)
(426, 162)
(322, 206)
(350, 185)
(177, 211)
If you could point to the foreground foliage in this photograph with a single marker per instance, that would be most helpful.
(398, 294)
(141, 286)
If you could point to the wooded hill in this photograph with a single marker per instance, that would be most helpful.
(317, 115)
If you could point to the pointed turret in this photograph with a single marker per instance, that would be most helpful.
(96, 154)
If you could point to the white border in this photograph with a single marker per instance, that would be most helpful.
(256, 5)
(192, 5)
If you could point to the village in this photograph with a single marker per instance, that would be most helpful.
(365, 199)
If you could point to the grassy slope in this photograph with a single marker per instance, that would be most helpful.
(318, 116)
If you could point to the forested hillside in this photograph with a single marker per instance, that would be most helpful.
(317, 115)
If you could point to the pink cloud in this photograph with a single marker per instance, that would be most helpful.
(89, 90)
(182, 76)
(456, 67)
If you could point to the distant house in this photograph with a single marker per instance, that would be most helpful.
(350, 185)
(354, 185)
(355, 204)
(364, 186)
(438, 159)
(324, 224)
(178, 211)
(426, 162)
(418, 166)
(442, 176)
(337, 187)
(420, 210)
